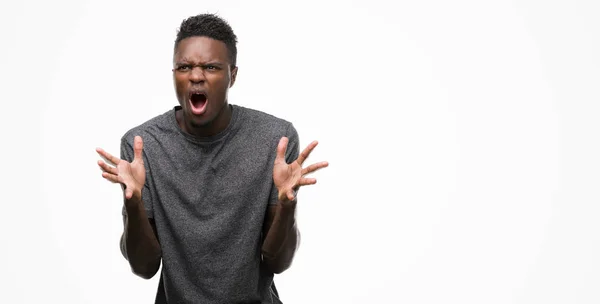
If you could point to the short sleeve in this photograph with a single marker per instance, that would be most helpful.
(127, 154)
(291, 154)
(293, 150)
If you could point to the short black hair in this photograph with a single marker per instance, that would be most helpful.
(211, 26)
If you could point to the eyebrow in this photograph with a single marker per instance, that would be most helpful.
(185, 61)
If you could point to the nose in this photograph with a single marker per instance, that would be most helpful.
(197, 75)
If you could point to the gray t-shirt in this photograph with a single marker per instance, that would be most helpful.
(208, 198)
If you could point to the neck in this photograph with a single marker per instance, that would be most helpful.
(212, 128)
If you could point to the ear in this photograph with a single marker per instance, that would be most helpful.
(233, 76)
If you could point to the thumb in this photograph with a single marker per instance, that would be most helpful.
(281, 148)
(138, 146)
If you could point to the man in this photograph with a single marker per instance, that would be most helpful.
(210, 187)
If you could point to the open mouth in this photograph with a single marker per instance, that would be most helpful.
(198, 101)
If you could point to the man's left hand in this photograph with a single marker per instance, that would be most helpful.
(289, 178)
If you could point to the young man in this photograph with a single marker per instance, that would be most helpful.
(210, 187)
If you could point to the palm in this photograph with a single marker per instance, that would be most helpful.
(288, 178)
(131, 176)
(285, 175)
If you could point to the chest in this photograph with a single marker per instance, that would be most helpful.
(229, 177)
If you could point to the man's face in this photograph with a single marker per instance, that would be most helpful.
(202, 75)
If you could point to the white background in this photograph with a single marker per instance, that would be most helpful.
(462, 136)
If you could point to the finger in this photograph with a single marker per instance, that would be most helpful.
(138, 146)
(314, 167)
(291, 195)
(110, 177)
(306, 153)
(128, 193)
(307, 181)
(281, 148)
(108, 157)
(108, 169)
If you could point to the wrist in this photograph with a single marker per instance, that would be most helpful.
(135, 201)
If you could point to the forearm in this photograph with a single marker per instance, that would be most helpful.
(281, 241)
(139, 243)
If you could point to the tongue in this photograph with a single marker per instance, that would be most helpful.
(198, 102)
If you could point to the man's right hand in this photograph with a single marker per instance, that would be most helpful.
(131, 176)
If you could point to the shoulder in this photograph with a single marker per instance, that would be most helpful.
(265, 122)
(151, 129)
